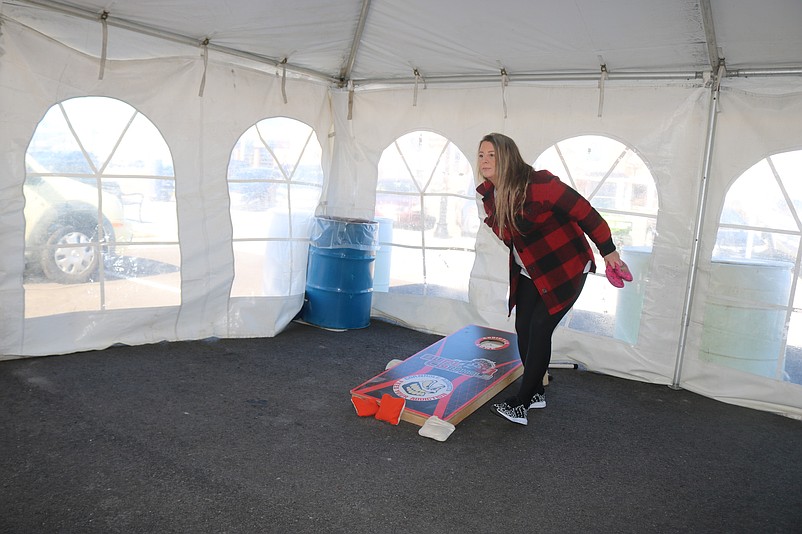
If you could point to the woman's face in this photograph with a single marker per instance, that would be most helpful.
(487, 161)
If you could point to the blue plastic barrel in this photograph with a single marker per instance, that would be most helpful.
(339, 278)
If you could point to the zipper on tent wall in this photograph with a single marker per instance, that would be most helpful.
(715, 93)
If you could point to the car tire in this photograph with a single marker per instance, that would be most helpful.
(71, 255)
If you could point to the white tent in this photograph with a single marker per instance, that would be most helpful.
(682, 121)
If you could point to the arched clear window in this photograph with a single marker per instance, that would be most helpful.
(753, 313)
(100, 212)
(428, 216)
(617, 182)
(275, 180)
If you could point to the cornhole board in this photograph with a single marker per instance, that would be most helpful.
(451, 378)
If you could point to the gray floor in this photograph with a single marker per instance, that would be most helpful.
(259, 435)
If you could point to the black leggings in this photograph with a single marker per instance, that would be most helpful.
(534, 327)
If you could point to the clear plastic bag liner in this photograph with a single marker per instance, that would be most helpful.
(338, 232)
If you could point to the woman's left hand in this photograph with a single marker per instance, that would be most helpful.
(613, 259)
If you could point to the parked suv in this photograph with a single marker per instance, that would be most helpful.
(62, 234)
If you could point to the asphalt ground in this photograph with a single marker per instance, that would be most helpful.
(259, 435)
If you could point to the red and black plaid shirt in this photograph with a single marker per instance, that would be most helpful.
(551, 238)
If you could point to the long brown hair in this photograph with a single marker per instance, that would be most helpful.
(512, 175)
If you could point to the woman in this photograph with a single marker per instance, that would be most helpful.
(543, 222)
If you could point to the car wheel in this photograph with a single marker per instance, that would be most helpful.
(70, 255)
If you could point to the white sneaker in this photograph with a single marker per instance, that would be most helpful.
(538, 401)
(516, 414)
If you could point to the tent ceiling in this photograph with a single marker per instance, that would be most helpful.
(457, 39)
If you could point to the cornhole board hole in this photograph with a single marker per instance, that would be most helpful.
(451, 378)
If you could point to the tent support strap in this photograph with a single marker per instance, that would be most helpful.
(715, 93)
(104, 44)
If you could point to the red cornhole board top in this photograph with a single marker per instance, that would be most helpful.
(451, 378)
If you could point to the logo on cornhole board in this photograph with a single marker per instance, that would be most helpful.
(451, 378)
(421, 388)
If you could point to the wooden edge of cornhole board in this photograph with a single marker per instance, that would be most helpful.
(451, 378)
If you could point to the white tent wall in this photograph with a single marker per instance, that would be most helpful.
(666, 125)
(666, 122)
(753, 123)
(201, 132)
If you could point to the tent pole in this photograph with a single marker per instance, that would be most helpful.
(710, 33)
(715, 93)
(345, 73)
(753, 73)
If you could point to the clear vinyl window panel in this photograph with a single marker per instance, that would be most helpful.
(427, 210)
(275, 180)
(100, 211)
(619, 184)
(752, 314)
